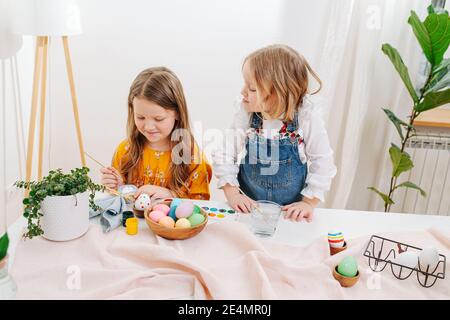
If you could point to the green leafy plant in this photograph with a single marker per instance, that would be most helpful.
(56, 183)
(433, 35)
(4, 244)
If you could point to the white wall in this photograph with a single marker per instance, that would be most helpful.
(204, 42)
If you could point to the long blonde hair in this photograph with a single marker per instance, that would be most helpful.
(162, 87)
(281, 70)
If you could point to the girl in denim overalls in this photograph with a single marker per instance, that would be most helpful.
(288, 159)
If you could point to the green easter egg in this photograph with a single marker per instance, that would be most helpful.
(196, 210)
(348, 267)
(196, 219)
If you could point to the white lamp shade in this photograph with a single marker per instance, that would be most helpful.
(10, 43)
(48, 18)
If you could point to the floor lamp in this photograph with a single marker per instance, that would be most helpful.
(10, 105)
(44, 19)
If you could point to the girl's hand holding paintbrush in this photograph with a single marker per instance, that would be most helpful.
(111, 177)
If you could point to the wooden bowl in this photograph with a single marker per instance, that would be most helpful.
(333, 251)
(345, 281)
(174, 233)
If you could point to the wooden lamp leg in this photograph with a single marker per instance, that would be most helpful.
(32, 122)
(42, 114)
(74, 99)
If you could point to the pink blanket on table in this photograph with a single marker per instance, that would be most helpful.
(224, 261)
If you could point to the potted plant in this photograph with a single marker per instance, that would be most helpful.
(57, 207)
(433, 35)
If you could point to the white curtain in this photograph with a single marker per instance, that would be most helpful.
(359, 80)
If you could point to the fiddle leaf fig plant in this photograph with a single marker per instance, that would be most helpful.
(433, 35)
(56, 183)
(4, 244)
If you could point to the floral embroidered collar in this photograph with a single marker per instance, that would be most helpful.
(283, 133)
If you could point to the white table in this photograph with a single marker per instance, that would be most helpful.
(351, 223)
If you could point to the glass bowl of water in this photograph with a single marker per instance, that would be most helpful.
(264, 219)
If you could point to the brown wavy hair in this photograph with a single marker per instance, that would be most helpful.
(162, 87)
(281, 70)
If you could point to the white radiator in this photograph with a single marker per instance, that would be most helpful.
(431, 157)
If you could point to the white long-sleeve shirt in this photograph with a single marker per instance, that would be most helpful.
(315, 151)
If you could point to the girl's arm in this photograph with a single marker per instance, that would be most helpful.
(225, 157)
(312, 202)
(318, 152)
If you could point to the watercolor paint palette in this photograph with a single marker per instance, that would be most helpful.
(217, 213)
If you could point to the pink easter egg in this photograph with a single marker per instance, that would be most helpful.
(167, 222)
(156, 215)
(162, 207)
(184, 209)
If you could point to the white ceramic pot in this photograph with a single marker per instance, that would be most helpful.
(65, 217)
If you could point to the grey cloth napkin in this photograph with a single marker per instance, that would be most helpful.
(111, 212)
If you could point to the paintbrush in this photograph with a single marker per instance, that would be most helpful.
(115, 192)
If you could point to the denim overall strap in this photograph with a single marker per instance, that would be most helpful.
(272, 168)
(293, 125)
(256, 120)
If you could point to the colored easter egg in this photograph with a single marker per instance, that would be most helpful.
(167, 222)
(172, 213)
(335, 236)
(162, 207)
(156, 215)
(184, 209)
(182, 223)
(196, 219)
(334, 233)
(336, 239)
(142, 202)
(173, 207)
(348, 267)
(175, 202)
(196, 210)
(338, 244)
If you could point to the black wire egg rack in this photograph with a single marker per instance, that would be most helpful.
(382, 252)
